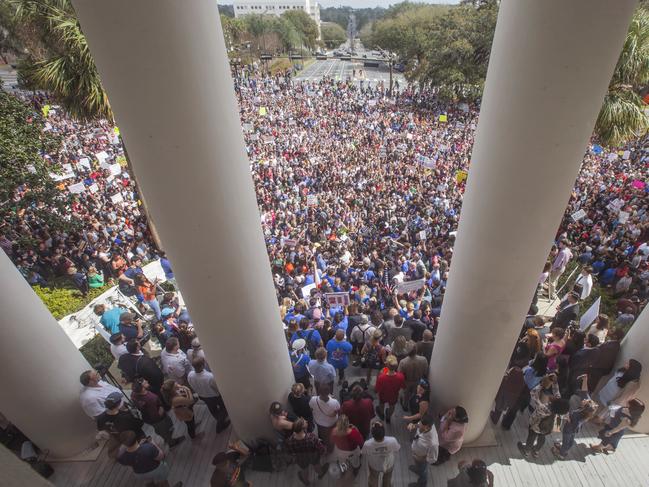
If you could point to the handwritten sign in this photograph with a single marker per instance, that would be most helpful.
(85, 162)
(115, 169)
(312, 200)
(623, 217)
(93, 188)
(578, 215)
(76, 188)
(590, 316)
(408, 286)
(117, 198)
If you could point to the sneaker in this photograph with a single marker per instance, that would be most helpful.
(555, 451)
(380, 412)
(176, 441)
(523, 449)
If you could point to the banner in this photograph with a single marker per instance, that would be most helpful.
(590, 316)
(406, 287)
(337, 299)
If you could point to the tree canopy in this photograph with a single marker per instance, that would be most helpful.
(333, 35)
(25, 182)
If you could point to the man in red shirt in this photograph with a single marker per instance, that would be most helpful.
(388, 385)
(359, 410)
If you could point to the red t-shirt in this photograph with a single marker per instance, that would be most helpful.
(388, 387)
(349, 442)
(360, 413)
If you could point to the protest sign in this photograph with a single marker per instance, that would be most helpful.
(623, 217)
(422, 235)
(597, 149)
(46, 110)
(443, 118)
(85, 162)
(427, 162)
(406, 287)
(626, 155)
(409, 136)
(254, 137)
(590, 316)
(306, 290)
(67, 168)
(115, 169)
(461, 176)
(117, 198)
(247, 127)
(383, 152)
(116, 130)
(93, 188)
(612, 157)
(578, 215)
(61, 177)
(268, 139)
(464, 107)
(638, 184)
(76, 188)
(289, 242)
(311, 200)
(102, 157)
(263, 111)
(337, 299)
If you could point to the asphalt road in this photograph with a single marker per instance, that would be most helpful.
(343, 70)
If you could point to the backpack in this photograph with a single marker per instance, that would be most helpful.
(310, 346)
(371, 358)
(546, 424)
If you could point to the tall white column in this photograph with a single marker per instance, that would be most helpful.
(164, 66)
(40, 371)
(551, 62)
(636, 346)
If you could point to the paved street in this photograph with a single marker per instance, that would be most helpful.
(342, 70)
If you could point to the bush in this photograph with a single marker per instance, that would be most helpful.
(62, 298)
(280, 65)
(97, 351)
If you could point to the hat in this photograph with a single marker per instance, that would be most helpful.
(378, 334)
(113, 399)
(127, 316)
(299, 344)
(166, 312)
(364, 319)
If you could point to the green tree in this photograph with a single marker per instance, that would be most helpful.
(622, 116)
(25, 182)
(65, 66)
(234, 30)
(333, 35)
(304, 24)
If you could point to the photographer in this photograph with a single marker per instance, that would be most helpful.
(146, 459)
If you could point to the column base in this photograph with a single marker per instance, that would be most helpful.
(90, 454)
(486, 438)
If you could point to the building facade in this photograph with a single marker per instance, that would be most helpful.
(276, 7)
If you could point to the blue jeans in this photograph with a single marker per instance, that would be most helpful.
(422, 472)
(567, 442)
(155, 306)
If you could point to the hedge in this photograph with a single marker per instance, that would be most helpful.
(62, 298)
(97, 351)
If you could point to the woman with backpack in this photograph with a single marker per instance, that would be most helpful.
(542, 420)
(373, 354)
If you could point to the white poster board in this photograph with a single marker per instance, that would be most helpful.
(306, 290)
(408, 286)
(117, 198)
(76, 188)
(85, 162)
(115, 169)
(623, 217)
(578, 215)
(93, 188)
(102, 157)
(590, 316)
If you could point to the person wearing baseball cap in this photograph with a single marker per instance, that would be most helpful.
(130, 327)
(300, 360)
(116, 419)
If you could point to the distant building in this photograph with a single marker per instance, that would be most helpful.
(277, 7)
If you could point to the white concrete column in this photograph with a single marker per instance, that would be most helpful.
(40, 371)
(164, 66)
(636, 346)
(551, 62)
(17, 472)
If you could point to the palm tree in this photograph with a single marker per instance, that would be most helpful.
(622, 116)
(67, 70)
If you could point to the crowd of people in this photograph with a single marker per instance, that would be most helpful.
(360, 196)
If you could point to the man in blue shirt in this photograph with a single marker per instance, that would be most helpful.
(322, 371)
(109, 319)
(300, 360)
(338, 351)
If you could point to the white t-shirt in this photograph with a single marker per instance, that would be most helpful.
(380, 456)
(324, 413)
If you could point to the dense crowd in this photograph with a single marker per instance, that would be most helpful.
(359, 196)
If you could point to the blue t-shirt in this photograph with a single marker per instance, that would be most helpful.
(299, 364)
(315, 336)
(531, 379)
(110, 319)
(338, 353)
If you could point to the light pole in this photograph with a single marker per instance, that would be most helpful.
(391, 64)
